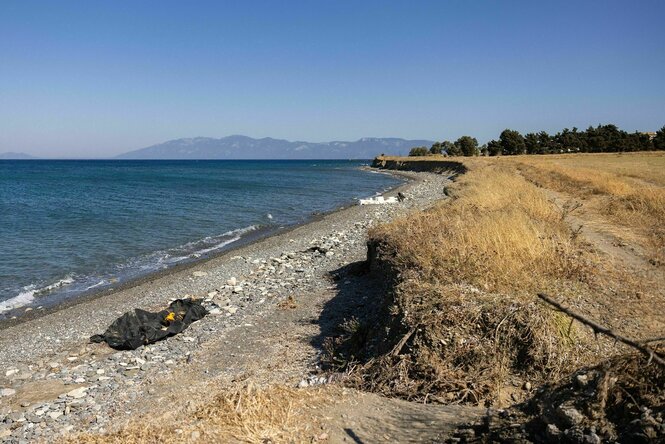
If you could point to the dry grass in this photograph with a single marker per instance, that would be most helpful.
(275, 414)
(501, 233)
(463, 318)
(629, 189)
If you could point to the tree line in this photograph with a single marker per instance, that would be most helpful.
(601, 139)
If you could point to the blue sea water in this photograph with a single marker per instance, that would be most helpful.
(67, 227)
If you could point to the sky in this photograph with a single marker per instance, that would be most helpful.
(95, 79)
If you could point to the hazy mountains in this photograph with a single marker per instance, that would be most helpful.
(14, 156)
(242, 147)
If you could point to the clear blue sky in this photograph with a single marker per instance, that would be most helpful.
(92, 78)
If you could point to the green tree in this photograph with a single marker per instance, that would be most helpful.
(531, 143)
(436, 148)
(494, 148)
(419, 151)
(453, 149)
(659, 140)
(448, 147)
(467, 145)
(512, 142)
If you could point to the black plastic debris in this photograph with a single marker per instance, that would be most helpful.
(140, 327)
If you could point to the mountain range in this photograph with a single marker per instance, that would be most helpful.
(14, 156)
(243, 147)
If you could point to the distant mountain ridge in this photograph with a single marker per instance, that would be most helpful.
(243, 147)
(14, 156)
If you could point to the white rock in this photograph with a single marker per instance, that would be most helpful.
(55, 415)
(199, 274)
(100, 371)
(7, 392)
(11, 372)
(78, 393)
(232, 282)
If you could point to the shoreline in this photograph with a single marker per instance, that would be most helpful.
(269, 305)
(122, 294)
(31, 311)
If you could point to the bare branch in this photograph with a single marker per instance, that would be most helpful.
(638, 345)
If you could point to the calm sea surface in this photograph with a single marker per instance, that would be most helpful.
(67, 227)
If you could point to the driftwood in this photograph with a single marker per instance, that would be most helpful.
(638, 345)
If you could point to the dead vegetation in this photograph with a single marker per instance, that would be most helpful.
(620, 400)
(628, 189)
(463, 319)
(248, 414)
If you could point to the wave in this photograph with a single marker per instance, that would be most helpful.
(27, 296)
(133, 268)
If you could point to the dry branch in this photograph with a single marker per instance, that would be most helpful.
(605, 331)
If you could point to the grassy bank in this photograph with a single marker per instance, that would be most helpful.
(466, 274)
(463, 322)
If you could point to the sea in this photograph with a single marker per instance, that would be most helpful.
(72, 227)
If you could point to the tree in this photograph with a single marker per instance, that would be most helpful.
(436, 148)
(453, 149)
(467, 145)
(659, 140)
(531, 143)
(512, 142)
(419, 151)
(494, 148)
(448, 147)
(545, 144)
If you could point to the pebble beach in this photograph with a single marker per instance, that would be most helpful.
(53, 382)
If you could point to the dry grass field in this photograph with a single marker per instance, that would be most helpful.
(584, 229)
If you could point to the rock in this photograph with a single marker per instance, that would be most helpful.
(31, 417)
(592, 438)
(7, 392)
(78, 393)
(569, 415)
(11, 371)
(527, 386)
(199, 274)
(582, 380)
(5, 432)
(195, 435)
(55, 415)
(552, 431)
(232, 282)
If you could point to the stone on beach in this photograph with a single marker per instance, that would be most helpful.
(7, 392)
(78, 393)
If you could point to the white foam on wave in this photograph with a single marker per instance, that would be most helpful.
(98, 284)
(27, 296)
(23, 298)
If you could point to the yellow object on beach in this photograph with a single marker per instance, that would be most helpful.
(170, 317)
